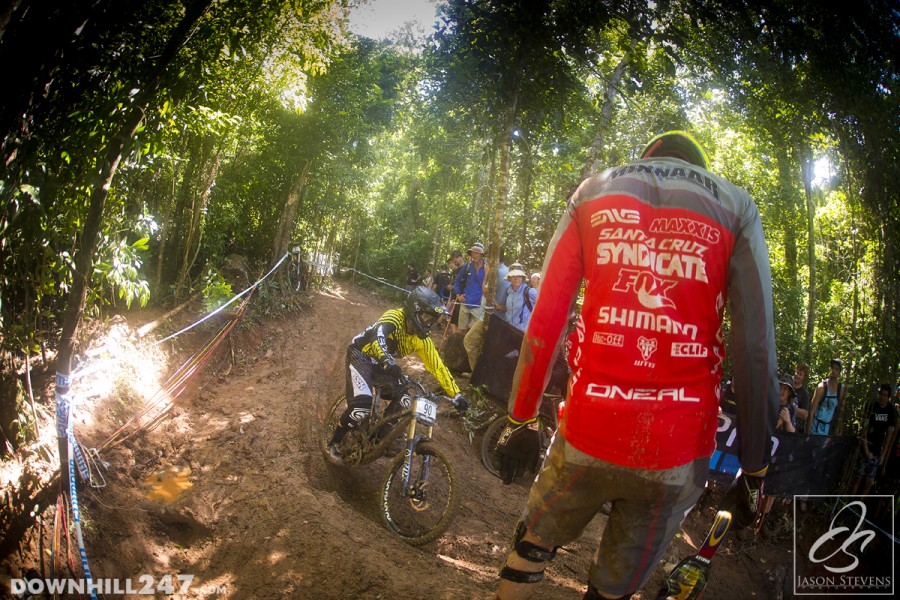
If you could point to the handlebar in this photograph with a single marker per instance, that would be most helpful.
(425, 393)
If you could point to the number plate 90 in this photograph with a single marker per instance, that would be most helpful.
(426, 411)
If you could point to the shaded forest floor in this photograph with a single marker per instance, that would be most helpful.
(262, 516)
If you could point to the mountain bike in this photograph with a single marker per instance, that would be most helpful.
(419, 494)
(491, 459)
(298, 271)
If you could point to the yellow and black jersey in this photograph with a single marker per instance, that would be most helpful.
(387, 339)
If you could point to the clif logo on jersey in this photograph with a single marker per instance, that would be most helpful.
(615, 215)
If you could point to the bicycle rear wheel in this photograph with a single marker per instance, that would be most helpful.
(295, 276)
(420, 512)
(489, 456)
(349, 451)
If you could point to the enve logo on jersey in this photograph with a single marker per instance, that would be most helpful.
(651, 290)
(615, 215)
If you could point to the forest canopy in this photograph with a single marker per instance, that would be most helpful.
(143, 143)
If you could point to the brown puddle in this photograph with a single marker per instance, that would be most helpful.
(168, 483)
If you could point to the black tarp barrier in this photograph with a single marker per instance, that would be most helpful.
(497, 364)
(800, 464)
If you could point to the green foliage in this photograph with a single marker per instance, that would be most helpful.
(216, 291)
(393, 151)
(482, 411)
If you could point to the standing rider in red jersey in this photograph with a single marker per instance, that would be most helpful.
(660, 244)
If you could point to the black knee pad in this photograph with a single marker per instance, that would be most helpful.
(359, 408)
(529, 551)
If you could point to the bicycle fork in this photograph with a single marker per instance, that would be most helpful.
(412, 489)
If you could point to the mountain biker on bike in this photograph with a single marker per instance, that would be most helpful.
(372, 353)
(660, 244)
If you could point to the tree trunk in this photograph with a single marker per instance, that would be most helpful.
(195, 231)
(593, 163)
(84, 260)
(806, 169)
(496, 234)
(289, 215)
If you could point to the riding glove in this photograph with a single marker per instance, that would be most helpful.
(519, 447)
(460, 402)
(394, 370)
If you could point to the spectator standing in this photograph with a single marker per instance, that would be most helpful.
(427, 280)
(640, 417)
(468, 288)
(801, 372)
(787, 415)
(456, 264)
(825, 409)
(520, 299)
(877, 435)
(442, 284)
(412, 277)
(536, 280)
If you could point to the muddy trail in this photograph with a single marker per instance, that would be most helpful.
(251, 509)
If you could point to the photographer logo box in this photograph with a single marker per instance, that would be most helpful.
(848, 555)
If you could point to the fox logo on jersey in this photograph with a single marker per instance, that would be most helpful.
(651, 290)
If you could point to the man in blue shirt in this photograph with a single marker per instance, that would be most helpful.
(468, 288)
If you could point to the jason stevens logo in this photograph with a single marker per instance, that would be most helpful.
(849, 555)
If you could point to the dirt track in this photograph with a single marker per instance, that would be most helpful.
(266, 518)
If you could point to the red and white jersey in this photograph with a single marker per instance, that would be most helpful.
(661, 245)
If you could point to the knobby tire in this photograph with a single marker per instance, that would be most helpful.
(423, 519)
(489, 456)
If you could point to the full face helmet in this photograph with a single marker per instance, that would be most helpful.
(422, 309)
(679, 144)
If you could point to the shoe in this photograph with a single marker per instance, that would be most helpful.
(334, 453)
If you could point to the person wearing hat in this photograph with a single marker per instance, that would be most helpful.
(520, 299)
(787, 417)
(659, 245)
(828, 399)
(468, 289)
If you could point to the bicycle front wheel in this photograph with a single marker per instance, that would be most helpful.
(294, 276)
(490, 458)
(420, 511)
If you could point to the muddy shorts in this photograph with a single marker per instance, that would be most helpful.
(648, 507)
